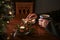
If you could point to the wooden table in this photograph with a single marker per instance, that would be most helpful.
(38, 34)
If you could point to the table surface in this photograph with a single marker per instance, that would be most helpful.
(38, 34)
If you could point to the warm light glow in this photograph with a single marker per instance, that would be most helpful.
(7, 21)
(22, 27)
(25, 21)
(33, 20)
(10, 12)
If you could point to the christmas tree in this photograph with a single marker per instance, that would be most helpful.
(6, 13)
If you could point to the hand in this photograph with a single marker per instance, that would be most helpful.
(31, 16)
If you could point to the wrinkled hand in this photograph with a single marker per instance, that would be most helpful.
(31, 16)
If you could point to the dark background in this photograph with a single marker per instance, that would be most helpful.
(45, 6)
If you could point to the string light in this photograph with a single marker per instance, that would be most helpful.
(10, 12)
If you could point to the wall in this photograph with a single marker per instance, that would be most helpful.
(23, 9)
(43, 6)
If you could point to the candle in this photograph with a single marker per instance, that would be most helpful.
(22, 27)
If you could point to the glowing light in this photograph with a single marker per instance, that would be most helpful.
(22, 27)
(7, 21)
(25, 21)
(10, 12)
(33, 20)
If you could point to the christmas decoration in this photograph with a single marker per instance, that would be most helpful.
(6, 13)
(24, 28)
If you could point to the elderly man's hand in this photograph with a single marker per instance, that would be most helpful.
(31, 16)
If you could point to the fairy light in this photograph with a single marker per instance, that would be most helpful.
(10, 12)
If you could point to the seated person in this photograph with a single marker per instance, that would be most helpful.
(46, 22)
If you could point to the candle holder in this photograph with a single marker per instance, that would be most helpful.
(25, 27)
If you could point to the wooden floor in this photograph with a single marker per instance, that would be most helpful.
(38, 34)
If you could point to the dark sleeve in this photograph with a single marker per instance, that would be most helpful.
(51, 28)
